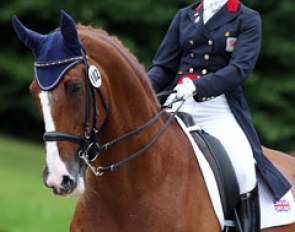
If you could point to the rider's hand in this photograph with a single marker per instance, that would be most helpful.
(186, 89)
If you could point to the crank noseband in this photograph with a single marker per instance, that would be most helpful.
(59, 136)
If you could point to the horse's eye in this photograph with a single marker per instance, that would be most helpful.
(73, 88)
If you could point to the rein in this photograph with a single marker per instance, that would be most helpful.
(90, 148)
(99, 171)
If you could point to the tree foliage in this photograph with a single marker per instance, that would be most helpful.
(141, 26)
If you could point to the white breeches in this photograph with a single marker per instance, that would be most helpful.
(216, 118)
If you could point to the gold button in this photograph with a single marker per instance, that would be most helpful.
(191, 42)
(204, 71)
(191, 70)
(227, 34)
(206, 57)
(210, 42)
(192, 55)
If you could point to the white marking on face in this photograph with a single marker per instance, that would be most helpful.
(56, 167)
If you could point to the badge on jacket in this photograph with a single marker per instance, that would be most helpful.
(230, 44)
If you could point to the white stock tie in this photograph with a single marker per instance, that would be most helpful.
(211, 7)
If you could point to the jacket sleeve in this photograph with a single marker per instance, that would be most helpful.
(241, 63)
(165, 63)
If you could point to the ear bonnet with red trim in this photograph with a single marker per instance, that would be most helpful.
(56, 52)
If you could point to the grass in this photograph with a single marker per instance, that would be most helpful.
(25, 204)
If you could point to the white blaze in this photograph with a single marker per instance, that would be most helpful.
(56, 167)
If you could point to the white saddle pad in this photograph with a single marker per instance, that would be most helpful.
(273, 213)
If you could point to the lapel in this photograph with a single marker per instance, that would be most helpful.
(196, 17)
(222, 17)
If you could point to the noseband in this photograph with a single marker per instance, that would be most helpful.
(89, 146)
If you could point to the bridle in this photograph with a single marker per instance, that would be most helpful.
(89, 146)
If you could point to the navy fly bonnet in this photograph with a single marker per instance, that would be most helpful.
(56, 52)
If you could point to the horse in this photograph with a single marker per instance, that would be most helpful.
(109, 123)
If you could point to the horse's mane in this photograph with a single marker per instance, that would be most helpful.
(125, 52)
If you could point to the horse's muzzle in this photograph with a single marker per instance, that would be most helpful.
(63, 187)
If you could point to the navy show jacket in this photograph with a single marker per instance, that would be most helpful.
(224, 52)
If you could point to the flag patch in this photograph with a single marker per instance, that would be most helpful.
(230, 44)
(282, 206)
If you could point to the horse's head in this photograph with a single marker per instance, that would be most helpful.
(65, 90)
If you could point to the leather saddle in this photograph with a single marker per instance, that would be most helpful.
(220, 163)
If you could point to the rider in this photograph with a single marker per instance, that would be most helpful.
(210, 48)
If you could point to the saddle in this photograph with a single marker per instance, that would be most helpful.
(220, 163)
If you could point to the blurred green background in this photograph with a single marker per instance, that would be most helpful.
(25, 205)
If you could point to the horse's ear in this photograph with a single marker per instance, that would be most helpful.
(30, 38)
(68, 30)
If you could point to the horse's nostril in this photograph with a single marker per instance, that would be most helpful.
(67, 183)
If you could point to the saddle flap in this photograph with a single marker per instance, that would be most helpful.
(220, 163)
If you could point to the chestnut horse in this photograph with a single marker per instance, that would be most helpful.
(161, 187)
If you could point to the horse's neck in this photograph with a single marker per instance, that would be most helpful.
(135, 176)
(131, 105)
(126, 114)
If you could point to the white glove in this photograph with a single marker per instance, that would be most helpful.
(186, 89)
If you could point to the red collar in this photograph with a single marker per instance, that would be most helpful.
(232, 5)
(199, 6)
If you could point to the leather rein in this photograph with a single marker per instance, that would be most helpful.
(90, 147)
